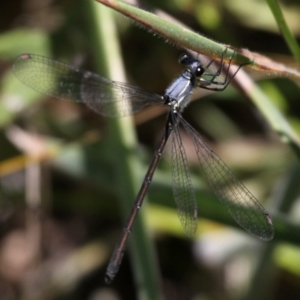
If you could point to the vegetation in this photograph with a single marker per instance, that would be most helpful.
(68, 177)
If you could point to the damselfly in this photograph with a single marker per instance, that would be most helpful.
(115, 99)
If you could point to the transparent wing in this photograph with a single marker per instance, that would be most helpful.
(241, 204)
(182, 186)
(106, 97)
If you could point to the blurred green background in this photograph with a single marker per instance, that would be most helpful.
(64, 170)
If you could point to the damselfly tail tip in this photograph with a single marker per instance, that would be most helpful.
(111, 272)
(108, 279)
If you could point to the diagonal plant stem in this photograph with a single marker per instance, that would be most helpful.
(175, 33)
(274, 117)
(186, 38)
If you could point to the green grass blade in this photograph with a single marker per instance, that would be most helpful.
(186, 38)
(175, 33)
(107, 55)
(287, 34)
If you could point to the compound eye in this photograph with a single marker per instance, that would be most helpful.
(199, 71)
(184, 59)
